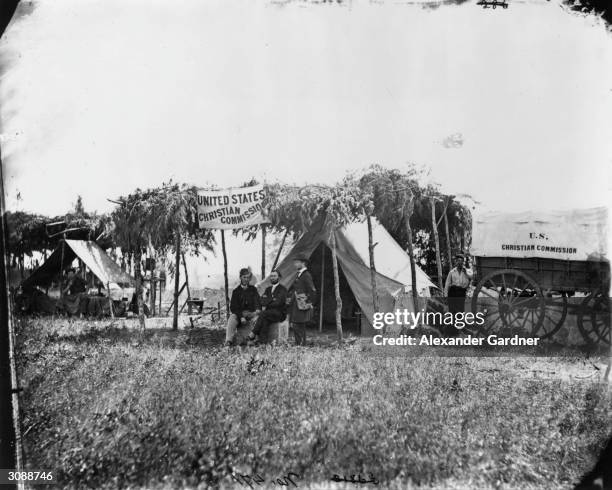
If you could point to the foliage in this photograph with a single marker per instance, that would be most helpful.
(393, 191)
(113, 415)
(29, 232)
(155, 216)
(26, 233)
(297, 208)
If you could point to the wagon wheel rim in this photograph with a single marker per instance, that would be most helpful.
(595, 309)
(510, 300)
(594, 318)
(555, 312)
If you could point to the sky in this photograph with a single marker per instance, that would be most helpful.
(511, 106)
(99, 98)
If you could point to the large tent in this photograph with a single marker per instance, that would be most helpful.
(393, 271)
(90, 253)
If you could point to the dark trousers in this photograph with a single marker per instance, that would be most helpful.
(266, 318)
(299, 333)
(456, 303)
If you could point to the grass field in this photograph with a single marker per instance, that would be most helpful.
(105, 407)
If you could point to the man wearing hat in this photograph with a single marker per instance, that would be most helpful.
(301, 297)
(245, 306)
(274, 300)
(455, 289)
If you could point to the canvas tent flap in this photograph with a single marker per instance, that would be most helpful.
(389, 258)
(96, 259)
(578, 234)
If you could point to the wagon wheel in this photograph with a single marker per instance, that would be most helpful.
(594, 318)
(510, 301)
(555, 312)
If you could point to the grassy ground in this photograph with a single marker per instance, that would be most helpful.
(106, 407)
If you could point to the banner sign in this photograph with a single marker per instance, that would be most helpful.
(227, 209)
(580, 234)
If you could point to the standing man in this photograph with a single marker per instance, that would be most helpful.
(455, 289)
(245, 306)
(274, 300)
(302, 295)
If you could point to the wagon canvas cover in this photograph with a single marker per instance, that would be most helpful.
(579, 234)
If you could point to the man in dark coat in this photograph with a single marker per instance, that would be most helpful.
(245, 306)
(274, 300)
(301, 297)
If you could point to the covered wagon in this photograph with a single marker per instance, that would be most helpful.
(528, 264)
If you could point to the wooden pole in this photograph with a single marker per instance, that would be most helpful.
(336, 282)
(152, 289)
(609, 368)
(177, 273)
(448, 240)
(280, 249)
(434, 226)
(322, 287)
(187, 284)
(407, 213)
(372, 265)
(9, 426)
(263, 252)
(138, 275)
(160, 295)
(62, 269)
(227, 300)
(110, 300)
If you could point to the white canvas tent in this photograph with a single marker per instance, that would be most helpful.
(393, 272)
(97, 260)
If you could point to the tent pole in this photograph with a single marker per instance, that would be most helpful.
(322, 287)
(372, 265)
(177, 273)
(62, 269)
(263, 252)
(227, 300)
(336, 282)
(110, 301)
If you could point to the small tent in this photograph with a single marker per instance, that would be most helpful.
(393, 271)
(97, 260)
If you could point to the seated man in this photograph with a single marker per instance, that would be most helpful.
(245, 306)
(74, 284)
(274, 300)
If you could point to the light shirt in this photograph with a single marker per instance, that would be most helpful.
(300, 271)
(273, 287)
(456, 278)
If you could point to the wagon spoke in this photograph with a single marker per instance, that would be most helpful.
(522, 301)
(493, 319)
(514, 282)
(524, 325)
